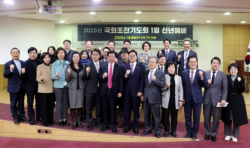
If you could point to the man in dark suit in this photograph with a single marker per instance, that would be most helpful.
(67, 46)
(134, 82)
(13, 71)
(111, 79)
(31, 86)
(162, 64)
(111, 45)
(154, 80)
(167, 52)
(216, 91)
(120, 102)
(183, 56)
(105, 55)
(193, 80)
(89, 46)
(92, 89)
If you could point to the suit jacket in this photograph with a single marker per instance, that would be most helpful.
(120, 63)
(30, 82)
(92, 79)
(15, 81)
(117, 79)
(144, 59)
(218, 91)
(69, 55)
(181, 61)
(178, 92)
(165, 71)
(171, 55)
(72, 78)
(152, 91)
(193, 90)
(134, 82)
(102, 61)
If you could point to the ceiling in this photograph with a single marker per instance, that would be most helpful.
(123, 11)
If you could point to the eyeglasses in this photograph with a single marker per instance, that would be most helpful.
(132, 56)
(192, 62)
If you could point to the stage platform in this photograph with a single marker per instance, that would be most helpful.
(24, 130)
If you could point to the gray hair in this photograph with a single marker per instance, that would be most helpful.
(153, 57)
(14, 49)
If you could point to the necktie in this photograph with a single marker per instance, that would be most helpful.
(213, 77)
(97, 68)
(166, 54)
(150, 77)
(192, 77)
(110, 77)
(132, 68)
(185, 60)
(162, 68)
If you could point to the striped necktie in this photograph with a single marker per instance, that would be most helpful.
(185, 60)
(192, 77)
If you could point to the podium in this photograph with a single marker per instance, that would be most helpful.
(241, 72)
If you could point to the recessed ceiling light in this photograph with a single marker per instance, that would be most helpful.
(243, 22)
(172, 21)
(187, 1)
(96, 0)
(136, 20)
(209, 21)
(62, 21)
(227, 13)
(8, 1)
(92, 13)
(138, 12)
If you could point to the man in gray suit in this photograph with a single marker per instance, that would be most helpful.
(215, 92)
(154, 81)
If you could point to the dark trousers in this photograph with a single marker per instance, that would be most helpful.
(120, 104)
(47, 108)
(30, 96)
(94, 99)
(196, 109)
(131, 103)
(147, 116)
(17, 104)
(165, 116)
(109, 108)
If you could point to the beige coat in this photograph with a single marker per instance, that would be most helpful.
(178, 92)
(45, 86)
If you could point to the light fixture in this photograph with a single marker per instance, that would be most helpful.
(227, 13)
(136, 20)
(138, 12)
(62, 21)
(8, 1)
(172, 21)
(92, 13)
(243, 22)
(96, 0)
(187, 1)
(209, 21)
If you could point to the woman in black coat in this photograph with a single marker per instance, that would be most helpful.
(236, 110)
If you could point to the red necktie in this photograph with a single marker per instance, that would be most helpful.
(110, 77)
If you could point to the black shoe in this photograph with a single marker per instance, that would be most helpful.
(194, 137)
(16, 121)
(157, 135)
(174, 134)
(188, 135)
(166, 134)
(89, 127)
(39, 119)
(23, 118)
(213, 138)
(32, 121)
(104, 128)
(126, 130)
(114, 130)
(207, 137)
(61, 123)
(147, 132)
(65, 122)
(136, 131)
(98, 125)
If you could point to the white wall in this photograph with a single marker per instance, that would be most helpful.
(210, 42)
(24, 33)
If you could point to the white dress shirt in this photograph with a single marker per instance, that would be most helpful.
(215, 73)
(163, 68)
(18, 65)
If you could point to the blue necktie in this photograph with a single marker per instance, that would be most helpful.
(185, 60)
(150, 77)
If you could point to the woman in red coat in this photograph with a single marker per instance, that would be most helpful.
(236, 110)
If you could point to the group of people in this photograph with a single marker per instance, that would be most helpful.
(64, 79)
